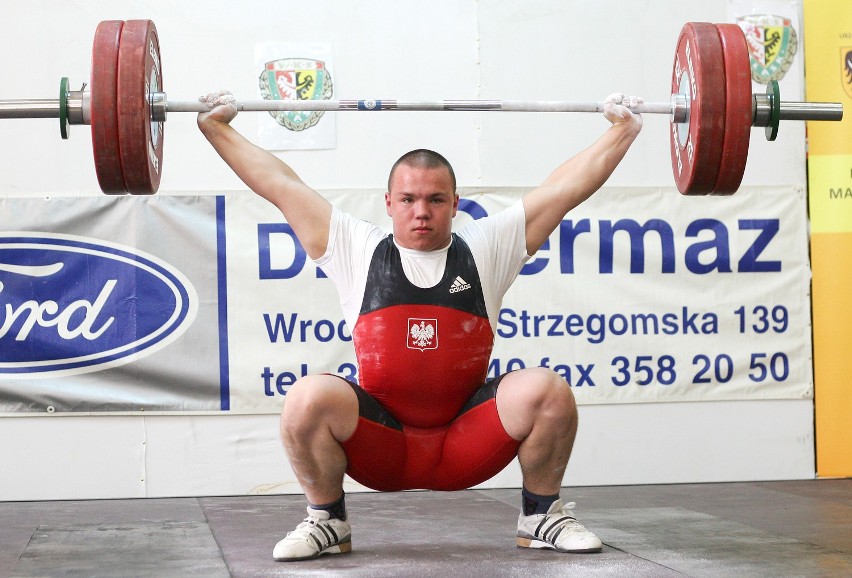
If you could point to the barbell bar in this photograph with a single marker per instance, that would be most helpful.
(77, 107)
(424, 105)
(78, 103)
(711, 109)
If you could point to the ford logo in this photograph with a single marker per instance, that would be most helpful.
(73, 305)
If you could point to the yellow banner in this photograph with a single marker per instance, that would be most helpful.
(828, 60)
(832, 320)
(830, 193)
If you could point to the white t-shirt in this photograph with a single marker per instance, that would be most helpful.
(497, 242)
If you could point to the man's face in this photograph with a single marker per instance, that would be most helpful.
(422, 204)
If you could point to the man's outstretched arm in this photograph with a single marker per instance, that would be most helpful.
(305, 210)
(579, 177)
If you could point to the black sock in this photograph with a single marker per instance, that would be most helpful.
(535, 504)
(335, 509)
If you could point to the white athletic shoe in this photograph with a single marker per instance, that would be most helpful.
(315, 536)
(558, 530)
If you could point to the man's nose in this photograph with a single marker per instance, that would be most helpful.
(421, 209)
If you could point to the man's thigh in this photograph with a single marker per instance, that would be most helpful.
(386, 455)
(476, 446)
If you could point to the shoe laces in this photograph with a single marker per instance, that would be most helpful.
(305, 528)
(568, 522)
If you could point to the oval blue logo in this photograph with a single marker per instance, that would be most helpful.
(74, 305)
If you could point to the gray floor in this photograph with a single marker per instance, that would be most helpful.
(747, 529)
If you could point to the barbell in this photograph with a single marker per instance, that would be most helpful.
(711, 109)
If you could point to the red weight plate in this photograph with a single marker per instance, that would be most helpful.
(139, 74)
(102, 107)
(738, 109)
(699, 72)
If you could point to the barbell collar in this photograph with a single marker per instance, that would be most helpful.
(762, 110)
(159, 106)
(78, 107)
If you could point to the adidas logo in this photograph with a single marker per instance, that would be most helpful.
(459, 285)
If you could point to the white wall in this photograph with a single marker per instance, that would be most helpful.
(533, 50)
(67, 458)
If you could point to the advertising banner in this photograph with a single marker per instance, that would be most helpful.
(108, 304)
(208, 303)
(640, 295)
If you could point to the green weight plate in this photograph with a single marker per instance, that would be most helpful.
(774, 93)
(63, 107)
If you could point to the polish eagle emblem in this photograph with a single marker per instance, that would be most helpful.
(422, 334)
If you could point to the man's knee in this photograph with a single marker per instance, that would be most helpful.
(535, 397)
(544, 388)
(318, 401)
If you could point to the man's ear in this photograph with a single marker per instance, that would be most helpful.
(387, 203)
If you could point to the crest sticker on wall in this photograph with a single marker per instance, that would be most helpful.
(772, 43)
(296, 79)
(295, 71)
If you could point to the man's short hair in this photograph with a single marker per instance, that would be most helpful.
(423, 159)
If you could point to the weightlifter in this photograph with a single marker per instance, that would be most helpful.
(423, 304)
